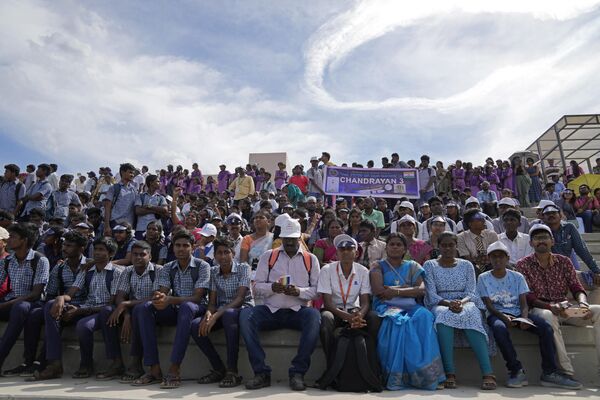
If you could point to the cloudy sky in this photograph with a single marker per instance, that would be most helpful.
(101, 82)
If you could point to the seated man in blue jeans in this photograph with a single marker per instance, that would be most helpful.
(504, 293)
(286, 278)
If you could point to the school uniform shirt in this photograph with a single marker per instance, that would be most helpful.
(147, 199)
(123, 208)
(226, 287)
(98, 293)
(503, 292)
(42, 187)
(9, 195)
(139, 287)
(332, 281)
(22, 278)
(68, 279)
(294, 267)
(60, 201)
(518, 248)
(183, 282)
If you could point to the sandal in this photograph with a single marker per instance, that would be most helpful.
(170, 381)
(212, 377)
(230, 380)
(450, 382)
(489, 382)
(82, 373)
(110, 374)
(131, 376)
(146, 379)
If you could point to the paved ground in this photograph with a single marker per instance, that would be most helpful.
(91, 389)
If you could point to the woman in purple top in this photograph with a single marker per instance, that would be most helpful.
(260, 178)
(458, 176)
(475, 181)
(195, 186)
(281, 176)
(507, 177)
(493, 179)
(164, 181)
(210, 185)
(223, 178)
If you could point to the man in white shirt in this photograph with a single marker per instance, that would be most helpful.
(53, 177)
(516, 242)
(287, 279)
(345, 287)
(315, 178)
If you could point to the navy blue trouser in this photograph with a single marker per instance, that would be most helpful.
(230, 323)
(546, 342)
(17, 316)
(260, 318)
(144, 319)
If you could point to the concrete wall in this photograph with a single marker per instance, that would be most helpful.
(269, 161)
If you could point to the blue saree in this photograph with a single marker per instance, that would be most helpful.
(407, 343)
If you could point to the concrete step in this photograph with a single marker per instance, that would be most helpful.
(281, 345)
(591, 237)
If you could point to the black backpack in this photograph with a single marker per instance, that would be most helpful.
(354, 364)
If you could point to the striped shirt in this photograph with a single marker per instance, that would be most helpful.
(68, 279)
(21, 275)
(227, 286)
(139, 287)
(98, 293)
(183, 282)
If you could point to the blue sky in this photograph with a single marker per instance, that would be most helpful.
(101, 82)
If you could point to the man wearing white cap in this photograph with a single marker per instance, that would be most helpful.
(437, 210)
(550, 278)
(315, 178)
(504, 293)
(473, 203)
(508, 203)
(345, 287)
(539, 211)
(287, 279)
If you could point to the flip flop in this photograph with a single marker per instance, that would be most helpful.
(170, 381)
(146, 380)
(131, 376)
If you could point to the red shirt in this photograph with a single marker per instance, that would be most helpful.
(592, 204)
(301, 181)
(551, 284)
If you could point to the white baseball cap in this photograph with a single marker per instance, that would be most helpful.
(498, 246)
(540, 227)
(407, 218)
(544, 203)
(344, 241)
(280, 220)
(291, 229)
(209, 230)
(407, 204)
(472, 199)
(3, 233)
(507, 201)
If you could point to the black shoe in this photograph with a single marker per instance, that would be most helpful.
(297, 382)
(17, 371)
(259, 381)
(30, 370)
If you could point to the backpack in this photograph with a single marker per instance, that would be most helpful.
(5, 286)
(108, 278)
(275, 255)
(354, 364)
(61, 281)
(195, 272)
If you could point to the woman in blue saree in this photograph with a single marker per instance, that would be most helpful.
(407, 344)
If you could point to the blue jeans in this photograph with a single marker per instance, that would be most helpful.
(587, 217)
(546, 341)
(259, 318)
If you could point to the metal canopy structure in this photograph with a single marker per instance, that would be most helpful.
(573, 137)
